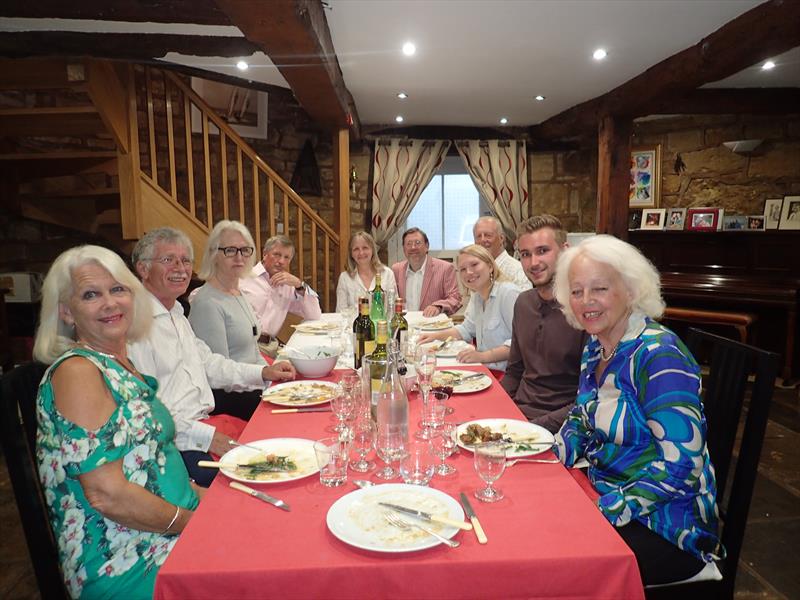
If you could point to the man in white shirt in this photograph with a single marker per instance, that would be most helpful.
(488, 233)
(184, 366)
(273, 291)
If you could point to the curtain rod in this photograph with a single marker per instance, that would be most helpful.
(404, 143)
(484, 143)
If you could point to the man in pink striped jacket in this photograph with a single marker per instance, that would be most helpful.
(427, 283)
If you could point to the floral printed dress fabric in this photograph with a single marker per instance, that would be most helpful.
(101, 558)
(642, 429)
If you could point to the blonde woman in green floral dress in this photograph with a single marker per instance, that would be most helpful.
(116, 487)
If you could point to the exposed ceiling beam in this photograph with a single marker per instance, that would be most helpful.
(295, 35)
(198, 12)
(132, 46)
(731, 101)
(764, 31)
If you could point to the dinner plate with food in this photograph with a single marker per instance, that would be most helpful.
(357, 518)
(318, 327)
(434, 324)
(273, 460)
(462, 381)
(300, 393)
(523, 438)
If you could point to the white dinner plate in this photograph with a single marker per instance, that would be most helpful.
(318, 327)
(299, 393)
(445, 377)
(358, 520)
(435, 324)
(453, 349)
(514, 430)
(300, 450)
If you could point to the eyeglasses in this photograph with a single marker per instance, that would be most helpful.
(172, 260)
(414, 244)
(230, 251)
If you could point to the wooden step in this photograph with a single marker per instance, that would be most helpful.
(51, 121)
(24, 166)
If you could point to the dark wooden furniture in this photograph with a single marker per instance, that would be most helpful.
(754, 272)
(741, 322)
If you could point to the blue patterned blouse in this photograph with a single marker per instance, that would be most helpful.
(642, 429)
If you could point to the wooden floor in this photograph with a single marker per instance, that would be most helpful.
(771, 553)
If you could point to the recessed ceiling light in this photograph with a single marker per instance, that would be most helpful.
(768, 66)
(399, 118)
(409, 49)
(503, 121)
(599, 54)
(402, 95)
(538, 98)
(241, 65)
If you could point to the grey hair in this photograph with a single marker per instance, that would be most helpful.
(145, 247)
(497, 226)
(639, 275)
(54, 336)
(208, 268)
(278, 240)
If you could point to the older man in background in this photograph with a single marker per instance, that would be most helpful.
(488, 232)
(427, 283)
(206, 421)
(545, 359)
(273, 291)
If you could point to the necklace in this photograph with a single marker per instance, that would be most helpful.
(610, 356)
(247, 314)
(130, 369)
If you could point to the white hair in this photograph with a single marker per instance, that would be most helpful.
(54, 337)
(639, 275)
(209, 267)
(497, 225)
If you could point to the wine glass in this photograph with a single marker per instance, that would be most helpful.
(490, 462)
(343, 406)
(444, 444)
(425, 365)
(433, 413)
(390, 444)
(417, 464)
(363, 443)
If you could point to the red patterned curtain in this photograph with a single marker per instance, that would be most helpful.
(499, 169)
(402, 170)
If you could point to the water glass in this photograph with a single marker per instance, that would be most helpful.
(363, 443)
(332, 455)
(418, 463)
(434, 407)
(390, 444)
(490, 462)
(343, 406)
(444, 444)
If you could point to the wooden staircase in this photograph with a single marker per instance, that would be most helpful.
(109, 149)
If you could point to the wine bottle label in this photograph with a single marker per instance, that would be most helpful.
(369, 347)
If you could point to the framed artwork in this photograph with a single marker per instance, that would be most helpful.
(645, 183)
(734, 223)
(790, 213)
(772, 212)
(653, 218)
(634, 220)
(756, 222)
(703, 219)
(676, 217)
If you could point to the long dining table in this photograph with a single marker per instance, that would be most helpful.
(546, 538)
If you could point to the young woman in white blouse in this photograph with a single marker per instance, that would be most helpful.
(363, 265)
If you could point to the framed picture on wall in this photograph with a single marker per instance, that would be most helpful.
(790, 213)
(772, 212)
(676, 217)
(653, 218)
(755, 222)
(634, 220)
(703, 219)
(645, 183)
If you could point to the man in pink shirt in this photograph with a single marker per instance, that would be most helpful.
(273, 291)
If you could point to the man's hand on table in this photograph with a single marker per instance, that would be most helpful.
(284, 278)
(278, 371)
(471, 355)
(431, 311)
(220, 444)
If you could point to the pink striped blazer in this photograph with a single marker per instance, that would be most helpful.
(439, 286)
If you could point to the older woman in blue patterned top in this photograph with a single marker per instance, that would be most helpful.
(638, 418)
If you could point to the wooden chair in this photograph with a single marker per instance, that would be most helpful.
(724, 389)
(18, 436)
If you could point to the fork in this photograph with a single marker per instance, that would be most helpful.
(546, 461)
(402, 524)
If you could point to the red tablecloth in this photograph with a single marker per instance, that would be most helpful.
(546, 538)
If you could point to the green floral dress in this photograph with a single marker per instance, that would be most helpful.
(101, 558)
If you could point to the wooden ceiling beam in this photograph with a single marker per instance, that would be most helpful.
(129, 46)
(198, 12)
(767, 30)
(731, 101)
(295, 35)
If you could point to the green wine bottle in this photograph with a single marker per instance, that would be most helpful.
(363, 333)
(379, 360)
(377, 309)
(399, 325)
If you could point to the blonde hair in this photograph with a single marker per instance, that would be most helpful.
(534, 224)
(376, 264)
(54, 336)
(209, 267)
(639, 275)
(485, 256)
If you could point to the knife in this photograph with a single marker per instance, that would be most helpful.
(215, 464)
(281, 411)
(467, 378)
(427, 516)
(260, 495)
(474, 519)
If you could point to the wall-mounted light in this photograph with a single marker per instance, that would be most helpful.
(353, 178)
(742, 146)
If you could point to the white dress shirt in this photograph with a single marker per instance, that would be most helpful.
(186, 371)
(414, 286)
(512, 269)
(350, 288)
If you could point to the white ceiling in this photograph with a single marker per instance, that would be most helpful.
(480, 60)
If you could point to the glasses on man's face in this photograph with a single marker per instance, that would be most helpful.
(413, 243)
(170, 260)
(230, 251)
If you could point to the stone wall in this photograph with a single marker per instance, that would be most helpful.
(564, 184)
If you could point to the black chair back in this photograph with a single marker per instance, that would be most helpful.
(18, 428)
(730, 364)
